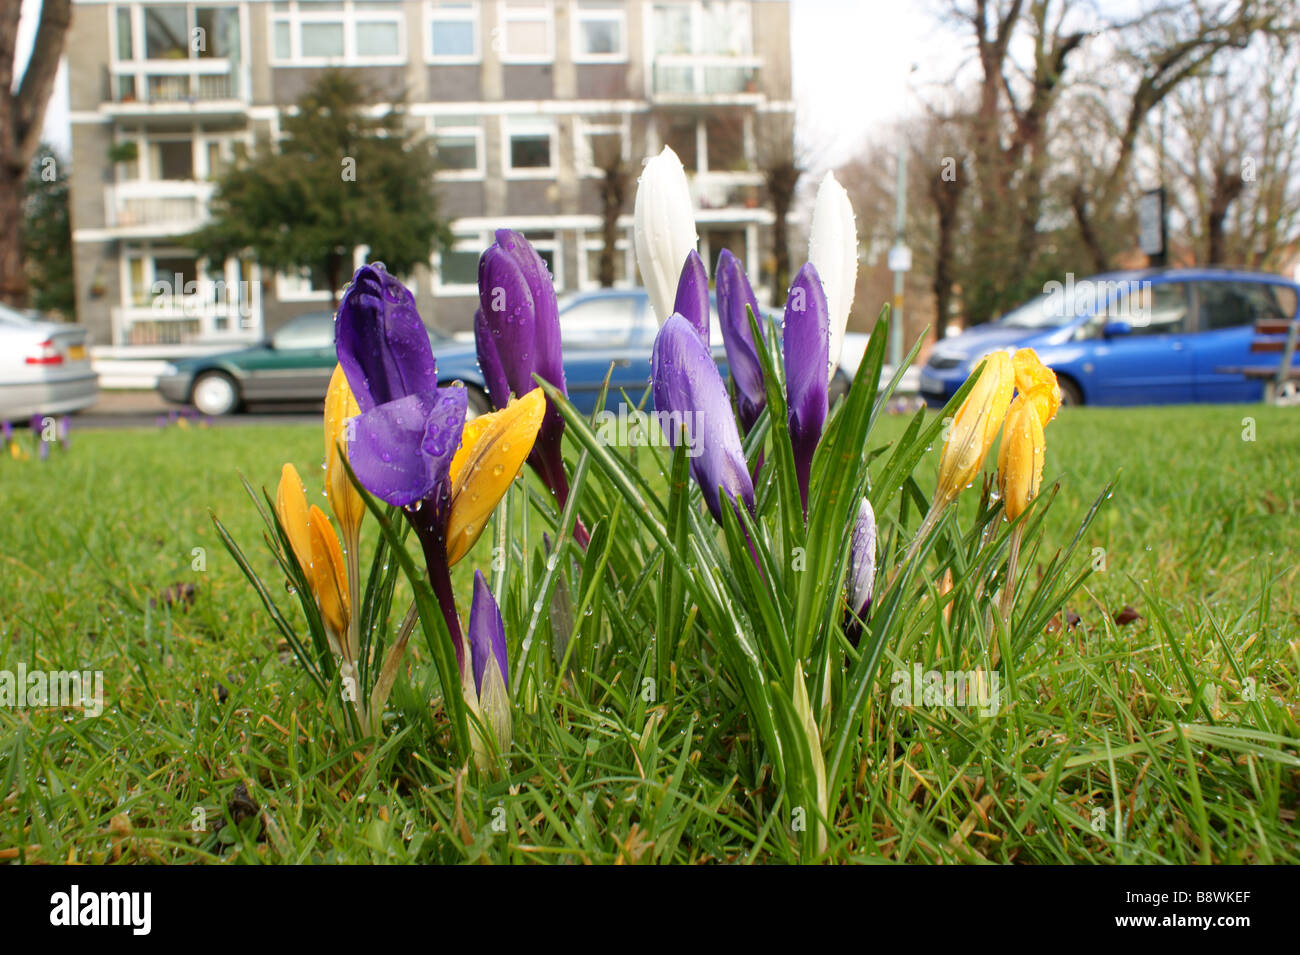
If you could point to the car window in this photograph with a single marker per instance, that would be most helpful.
(1159, 308)
(1237, 304)
(599, 322)
(315, 330)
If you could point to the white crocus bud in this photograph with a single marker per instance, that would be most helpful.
(833, 249)
(663, 229)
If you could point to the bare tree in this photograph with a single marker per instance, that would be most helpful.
(22, 114)
(615, 181)
(1019, 101)
(1232, 158)
(781, 167)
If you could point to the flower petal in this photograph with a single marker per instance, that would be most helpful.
(487, 634)
(381, 341)
(734, 294)
(663, 228)
(340, 409)
(806, 339)
(493, 448)
(833, 249)
(291, 507)
(328, 575)
(401, 451)
(975, 426)
(688, 387)
(489, 361)
(692, 301)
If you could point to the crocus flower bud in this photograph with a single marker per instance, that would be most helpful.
(517, 336)
(692, 301)
(487, 683)
(329, 579)
(291, 508)
(341, 410)
(735, 301)
(688, 391)
(663, 228)
(806, 343)
(862, 570)
(1032, 374)
(1020, 457)
(975, 426)
(833, 249)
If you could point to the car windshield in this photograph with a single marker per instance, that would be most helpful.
(306, 331)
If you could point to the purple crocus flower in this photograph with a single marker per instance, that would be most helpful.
(688, 390)
(734, 295)
(489, 665)
(7, 431)
(692, 302)
(517, 335)
(409, 429)
(861, 571)
(487, 635)
(807, 347)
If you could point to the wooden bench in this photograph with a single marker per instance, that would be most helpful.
(1272, 336)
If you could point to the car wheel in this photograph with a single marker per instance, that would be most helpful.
(215, 394)
(476, 403)
(1071, 396)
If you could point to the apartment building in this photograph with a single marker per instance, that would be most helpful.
(520, 96)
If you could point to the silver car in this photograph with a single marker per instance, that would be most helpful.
(44, 367)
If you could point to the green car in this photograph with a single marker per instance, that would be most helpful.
(293, 365)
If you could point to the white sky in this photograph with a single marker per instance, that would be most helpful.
(851, 61)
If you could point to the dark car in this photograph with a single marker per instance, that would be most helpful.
(1158, 336)
(599, 330)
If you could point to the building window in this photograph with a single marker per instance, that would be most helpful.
(325, 32)
(456, 269)
(302, 285)
(530, 149)
(452, 32)
(591, 245)
(528, 31)
(600, 32)
(460, 146)
(600, 140)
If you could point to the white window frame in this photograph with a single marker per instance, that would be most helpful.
(461, 242)
(590, 240)
(476, 242)
(354, 13)
(516, 126)
(295, 287)
(433, 10)
(462, 126)
(584, 128)
(505, 17)
(582, 13)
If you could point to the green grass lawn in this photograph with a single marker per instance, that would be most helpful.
(1170, 738)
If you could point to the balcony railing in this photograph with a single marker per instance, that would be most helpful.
(170, 83)
(164, 208)
(690, 77)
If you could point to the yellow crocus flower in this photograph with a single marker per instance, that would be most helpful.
(1031, 375)
(328, 576)
(493, 448)
(340, 408)
(1020, 458)
(291, 506)
(975, 426)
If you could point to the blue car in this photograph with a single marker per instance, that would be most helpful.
(1156, 336)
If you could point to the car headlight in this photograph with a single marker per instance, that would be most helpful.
(168, 371)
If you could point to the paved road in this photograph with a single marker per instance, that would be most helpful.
(143, 409)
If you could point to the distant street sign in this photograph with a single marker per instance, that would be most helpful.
(1151, 223)
(900, 259)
